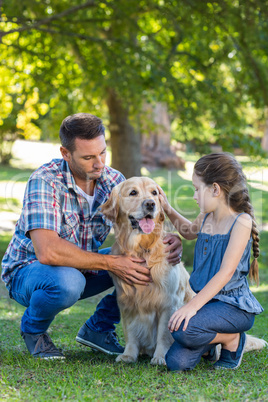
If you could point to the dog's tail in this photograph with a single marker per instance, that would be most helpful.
(253, 343)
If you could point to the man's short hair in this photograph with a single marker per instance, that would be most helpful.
(80, 125)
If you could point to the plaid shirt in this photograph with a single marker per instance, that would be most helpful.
(51, 201)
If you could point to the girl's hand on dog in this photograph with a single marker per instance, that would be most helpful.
(184, 313)
(163, 199)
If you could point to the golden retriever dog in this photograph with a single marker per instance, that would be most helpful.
(138, 218)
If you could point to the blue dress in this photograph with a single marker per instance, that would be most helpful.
(208, 255)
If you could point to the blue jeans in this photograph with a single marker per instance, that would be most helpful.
(214, 317)
(46, 290)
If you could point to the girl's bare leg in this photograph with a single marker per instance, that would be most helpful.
(228, 341)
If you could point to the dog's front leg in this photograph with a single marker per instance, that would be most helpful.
(164, 339)
(132, 347)
(130, 354)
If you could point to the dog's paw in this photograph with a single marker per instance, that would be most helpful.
(253, 343)
(158, 361)
(126, 359)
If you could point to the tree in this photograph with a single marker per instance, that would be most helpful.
(156, 141)
(205, 60)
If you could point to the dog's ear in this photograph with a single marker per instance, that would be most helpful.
(111, 207)
(162, 215)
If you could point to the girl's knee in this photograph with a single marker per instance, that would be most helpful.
(176, 361)
(189, 338)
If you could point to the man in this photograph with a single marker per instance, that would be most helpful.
(53, 259)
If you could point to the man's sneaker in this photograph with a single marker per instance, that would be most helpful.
(213, 354)
(41, 346)
(232, 360)
(106, 342)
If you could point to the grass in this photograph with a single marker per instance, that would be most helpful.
(8, 204)
(92, 376)
(14, 174)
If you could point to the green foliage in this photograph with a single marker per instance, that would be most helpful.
(207, 61)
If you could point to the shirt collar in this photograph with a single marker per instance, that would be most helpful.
(101, 183)
(68, 176)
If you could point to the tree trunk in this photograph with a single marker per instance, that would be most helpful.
(125, 143)
(264, 142)
(155, 144)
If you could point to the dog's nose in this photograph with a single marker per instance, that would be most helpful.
(148, 205)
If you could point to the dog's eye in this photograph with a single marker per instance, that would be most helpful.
(133, 192)
(154, 192)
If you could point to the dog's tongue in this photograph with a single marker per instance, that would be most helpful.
(147, 225)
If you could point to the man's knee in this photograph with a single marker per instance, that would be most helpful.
(69, 288)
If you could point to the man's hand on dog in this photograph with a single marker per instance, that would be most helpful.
(130, 270)
(174, 248)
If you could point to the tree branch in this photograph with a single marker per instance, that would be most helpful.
(23, 20)
(47, 20)
(28, 51)
(80, 36)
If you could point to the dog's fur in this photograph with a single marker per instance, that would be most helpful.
(146, 310)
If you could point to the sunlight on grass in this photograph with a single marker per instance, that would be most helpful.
(260, 288)
(9, 204)
(188, 172)
(145, 171)
(160, 180)
(67, 311)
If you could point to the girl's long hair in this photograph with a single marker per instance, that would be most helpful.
(223, 168)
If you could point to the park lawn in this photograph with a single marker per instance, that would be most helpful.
(90, 376)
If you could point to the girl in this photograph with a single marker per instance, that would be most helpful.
(223, 307)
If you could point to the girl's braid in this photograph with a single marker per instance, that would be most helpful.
(246, 206)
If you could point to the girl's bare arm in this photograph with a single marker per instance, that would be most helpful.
(186, 228)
